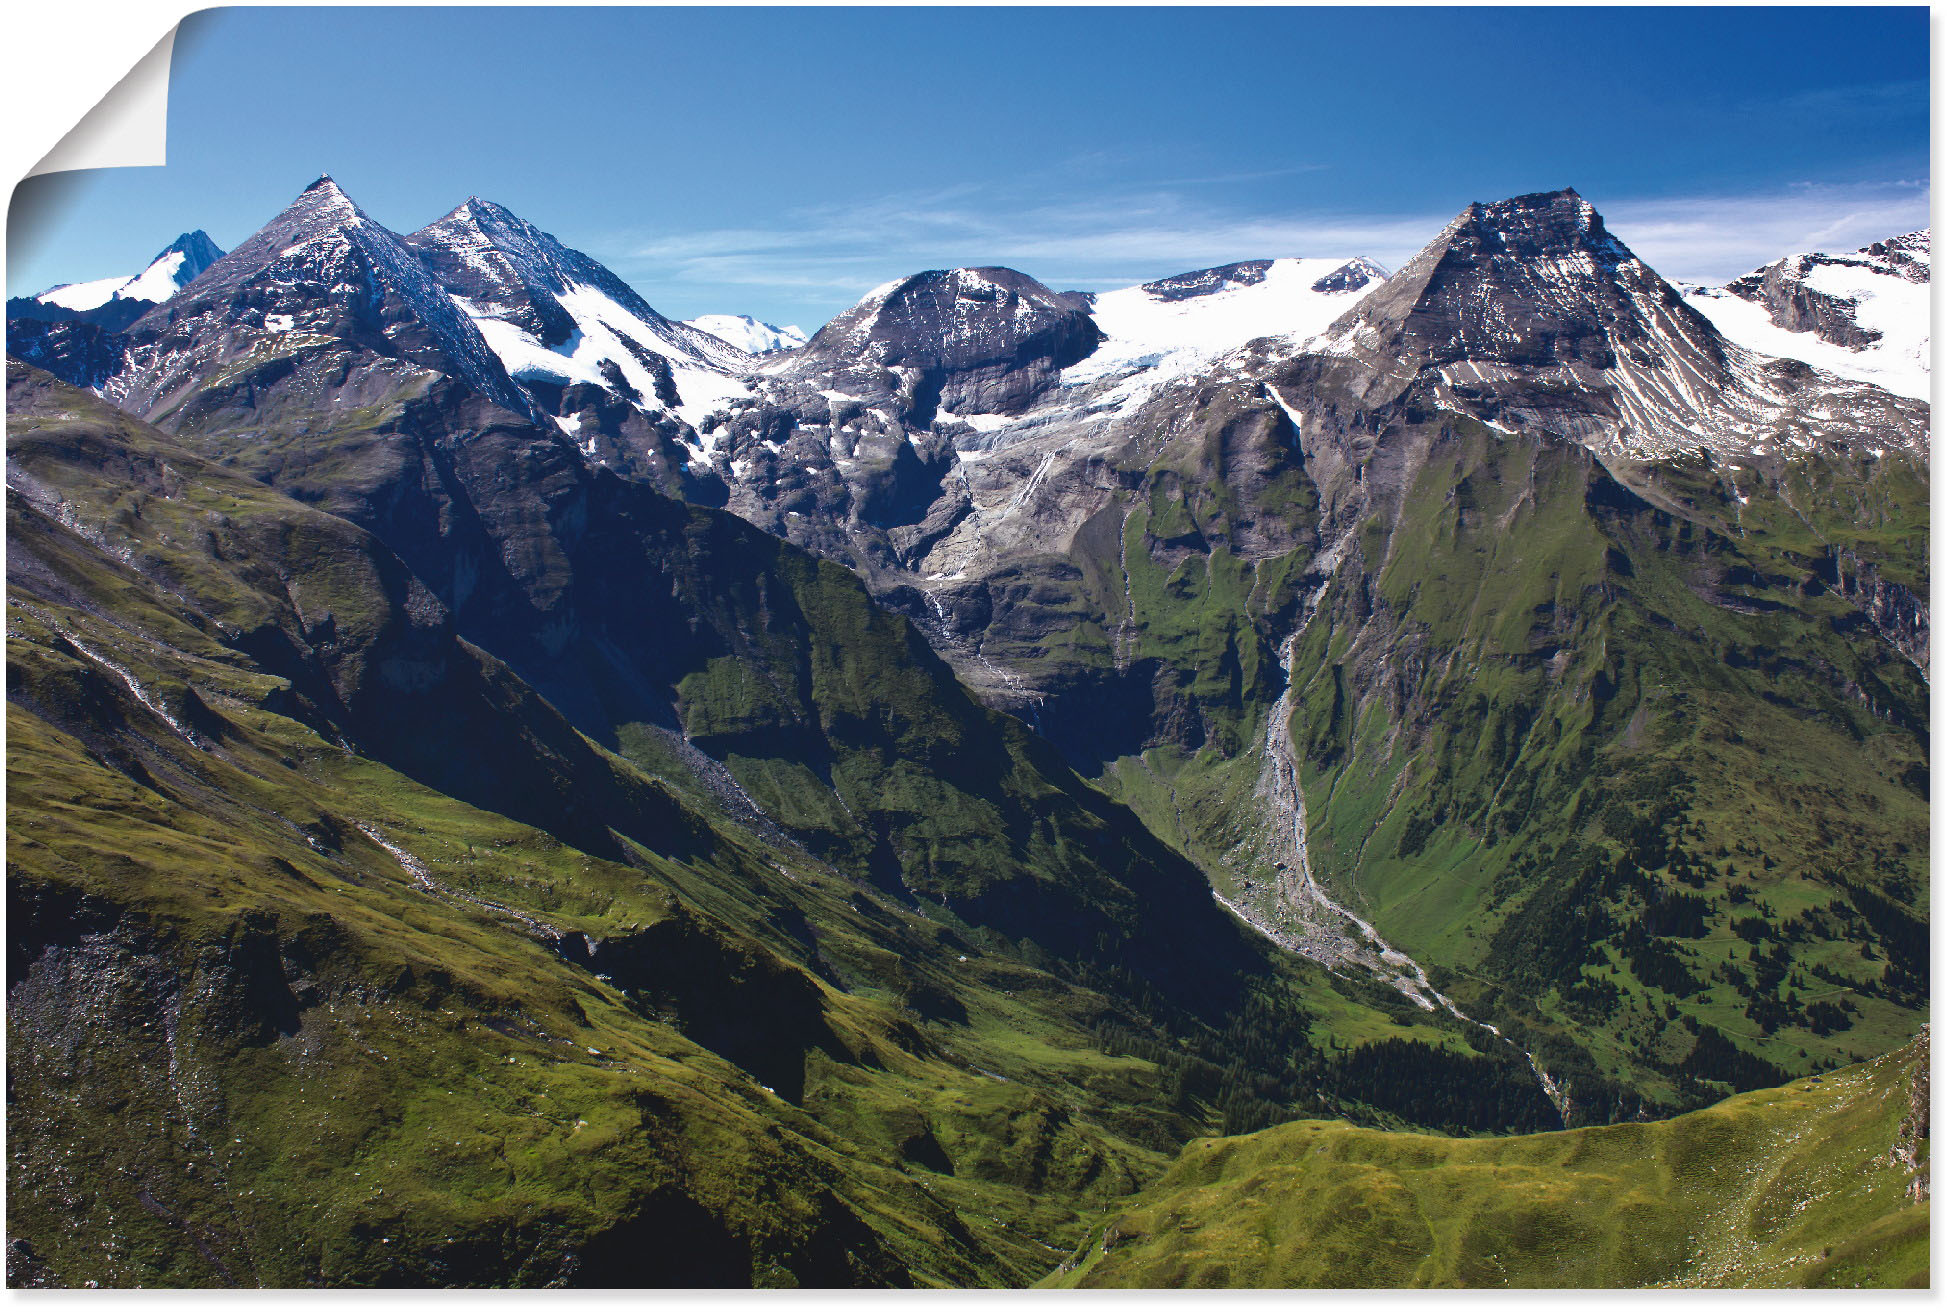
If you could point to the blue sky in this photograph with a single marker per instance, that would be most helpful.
(780, 162)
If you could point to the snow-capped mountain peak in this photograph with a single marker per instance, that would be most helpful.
(1528, 312)
(176, 266)
(1863, 315)
(556, 318)
(321, 271)
(751, 336)
(117, 302)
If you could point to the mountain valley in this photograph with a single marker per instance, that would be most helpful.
(511, 788)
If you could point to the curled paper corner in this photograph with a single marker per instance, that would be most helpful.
(128, 127)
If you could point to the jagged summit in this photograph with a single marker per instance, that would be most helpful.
(198, 253)
(508, 269)
(555, 317)
(318, 212)
(1911, 253)
(321, 271)
(1532, 280)
(325, 201)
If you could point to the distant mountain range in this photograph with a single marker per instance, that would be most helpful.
(115, 303)
(748, 334)
(507, 787)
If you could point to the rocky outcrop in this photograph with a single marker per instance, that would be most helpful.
(1897, 612)
(1202, 282)
(1786, 290)
(971, 341)
(1781, 289)
(77, 352)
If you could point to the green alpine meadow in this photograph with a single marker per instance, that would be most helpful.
(1290, 774)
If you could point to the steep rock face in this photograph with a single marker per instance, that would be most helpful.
(84, 354)
(1536, 317)
(617, 377)
(509, 274)
(1788, 289)
(1899, 612)
(976, 341)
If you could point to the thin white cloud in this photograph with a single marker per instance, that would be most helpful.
(1871, 99)
(1715, 238)
(823, 258)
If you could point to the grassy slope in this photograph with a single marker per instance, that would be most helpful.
(329, 1023)
(328, 1064)
(1531, 699)
(1795, 1186)
(631, 612)
(1632, 757)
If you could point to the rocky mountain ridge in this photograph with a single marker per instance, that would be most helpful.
(1121, 516)
(1861, 315)
(1482, 698)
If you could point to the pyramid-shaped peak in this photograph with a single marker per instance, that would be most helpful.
(507, 269)
(192, 244)
(323, 203)
(185, 257)
(475, 210)
(480, 223)
(1530, 281)
(324, 193)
